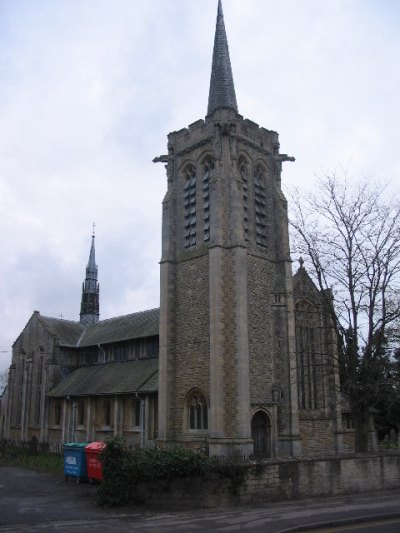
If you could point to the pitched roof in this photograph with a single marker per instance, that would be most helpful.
(133, 326)
(67, 332)
(222, 90)
(140, 375)
(121, 328)
(303, 284)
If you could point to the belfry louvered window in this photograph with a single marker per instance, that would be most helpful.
(245, 185)
(260, 206)
(208, 166)
(189, 203)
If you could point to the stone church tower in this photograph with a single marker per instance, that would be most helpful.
(227, 369)
(90, 292)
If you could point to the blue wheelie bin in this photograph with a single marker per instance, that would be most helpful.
(75, 461)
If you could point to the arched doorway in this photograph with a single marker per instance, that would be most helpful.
(261, 434)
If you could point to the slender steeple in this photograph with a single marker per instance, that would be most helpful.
(90, 291)
(222, 90)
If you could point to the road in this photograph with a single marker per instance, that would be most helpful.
(35, 501)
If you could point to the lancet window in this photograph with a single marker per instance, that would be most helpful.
(189, 202)
(260, 206)
(308, 354)
(197, 411)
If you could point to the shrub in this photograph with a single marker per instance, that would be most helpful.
(125, 471)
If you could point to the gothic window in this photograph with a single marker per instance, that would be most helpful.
(260, 206)
(197, 411)
(189, 204)
(307, 347)
(245, 185)
(208, 166)
(20, 390)
(39, 391)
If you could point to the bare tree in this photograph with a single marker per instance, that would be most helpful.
(350, 234)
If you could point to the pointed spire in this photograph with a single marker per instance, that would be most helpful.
(90, 290)
(92, 256)
(222, 90)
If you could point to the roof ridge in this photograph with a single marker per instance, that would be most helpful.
(64, 320)
(128, 314)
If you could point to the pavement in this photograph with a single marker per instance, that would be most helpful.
(37, 501)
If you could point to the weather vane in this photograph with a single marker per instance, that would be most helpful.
(94, 227)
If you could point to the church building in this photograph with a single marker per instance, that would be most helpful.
(240, 358)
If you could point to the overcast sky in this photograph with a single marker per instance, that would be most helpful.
(89, 89)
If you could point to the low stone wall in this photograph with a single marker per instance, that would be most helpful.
(283, 480)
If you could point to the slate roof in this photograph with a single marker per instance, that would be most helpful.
(75, 335)
(121, 328)
(140, 375)
(67, 332)
(222, 90)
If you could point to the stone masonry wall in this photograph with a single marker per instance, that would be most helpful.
(317, 435)
(285, 480)
(260, 282)
(192, 342)
(29, 379)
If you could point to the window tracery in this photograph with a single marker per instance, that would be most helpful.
(307, 347)
(197, 411)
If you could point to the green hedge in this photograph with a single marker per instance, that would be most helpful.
(125, 469)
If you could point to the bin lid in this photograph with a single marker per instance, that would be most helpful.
(75, 444)
(95, 446)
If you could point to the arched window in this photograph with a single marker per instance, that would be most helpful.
(197, 411)
(308, 354)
